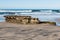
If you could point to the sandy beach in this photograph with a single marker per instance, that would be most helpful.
(10, 31)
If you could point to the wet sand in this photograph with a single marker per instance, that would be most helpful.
(10, 31)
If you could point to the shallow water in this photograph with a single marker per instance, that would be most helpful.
(2, 19)
(41, 18)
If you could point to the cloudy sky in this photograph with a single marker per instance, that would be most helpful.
(30, 4)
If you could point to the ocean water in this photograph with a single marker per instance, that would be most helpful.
(55, 17)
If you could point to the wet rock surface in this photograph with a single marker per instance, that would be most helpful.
(16, 33)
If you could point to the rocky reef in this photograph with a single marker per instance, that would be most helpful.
(25, 20)
(22, 19)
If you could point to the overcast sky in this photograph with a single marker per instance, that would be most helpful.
(27, 4)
